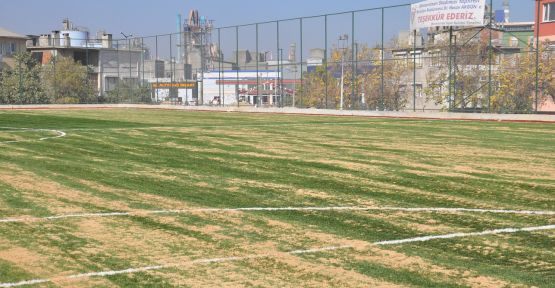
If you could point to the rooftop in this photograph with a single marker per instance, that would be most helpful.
(9, 34)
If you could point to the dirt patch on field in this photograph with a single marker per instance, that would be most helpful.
(128, 240)
(26, 260)
(136, 197)
(57, 197)
(397, 260)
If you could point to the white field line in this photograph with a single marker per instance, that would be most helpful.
(59, 134)
(219, 126)
(460, 235)
(272, 209)
(257, 256)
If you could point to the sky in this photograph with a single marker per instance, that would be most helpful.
(143, 18)
(146, 18)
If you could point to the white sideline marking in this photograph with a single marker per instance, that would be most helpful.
(272, 209)
(459, 235)
(238, 125)
(58, 132)
(256, 256)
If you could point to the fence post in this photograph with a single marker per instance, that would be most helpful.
(55, 80)
(237, 64)
(259, 96)
(280, 102)
(537, 25)
(87, 62)
(302, 72)
(220, 69)
(353, 55)
(414, 72)
(20, 80)
(155, 70)
(142, 61)
(118, 86)
(490, 50)
(326, 56)
(382, 100)
(451, 97)
(455, 67)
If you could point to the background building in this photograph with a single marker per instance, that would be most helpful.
(10, 44)
(546, 22)
(110, 63)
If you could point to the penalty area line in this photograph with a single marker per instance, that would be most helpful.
(273, 256)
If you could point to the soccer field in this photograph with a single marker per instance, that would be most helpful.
(154, 198)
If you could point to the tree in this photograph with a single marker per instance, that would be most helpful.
(126, 92)
(66, 81)
(22, 85)
(314, 88)
(517, 81)
(455, 80)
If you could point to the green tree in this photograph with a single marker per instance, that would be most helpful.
(314, 88)
(66, 81)
(128, 92)
(22, 85)
(517, 81)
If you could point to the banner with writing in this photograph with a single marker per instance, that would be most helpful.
(434, 13)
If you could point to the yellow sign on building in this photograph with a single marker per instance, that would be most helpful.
(187, 85)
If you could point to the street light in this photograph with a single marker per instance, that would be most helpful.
(343, 38)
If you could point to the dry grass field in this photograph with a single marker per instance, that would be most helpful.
(137, 198)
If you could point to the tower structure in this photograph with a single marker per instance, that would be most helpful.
(198, 51)
(507, 10)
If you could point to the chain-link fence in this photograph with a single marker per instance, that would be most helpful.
(361, 60)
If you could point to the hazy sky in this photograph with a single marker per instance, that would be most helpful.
(147, 18)
(144, 17)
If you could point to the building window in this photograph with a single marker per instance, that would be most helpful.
(111, 83)
(435, 58)
(416, 60)
(549, 12)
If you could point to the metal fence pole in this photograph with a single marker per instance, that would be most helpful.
(302, 72)
(326, 56)
(174, 100)
(87, 63)
(451, 99)
(142, 62)
(282, 94)
(220, 68)
(414, 72)
(55, 79)
(353, 71)
(537, 24)
(259, 98)
(156, 70)
(382, 101)
(455, 68)
(118, 86)
(20, 80)
(490, 56)
(237, 63)
(280, 102)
